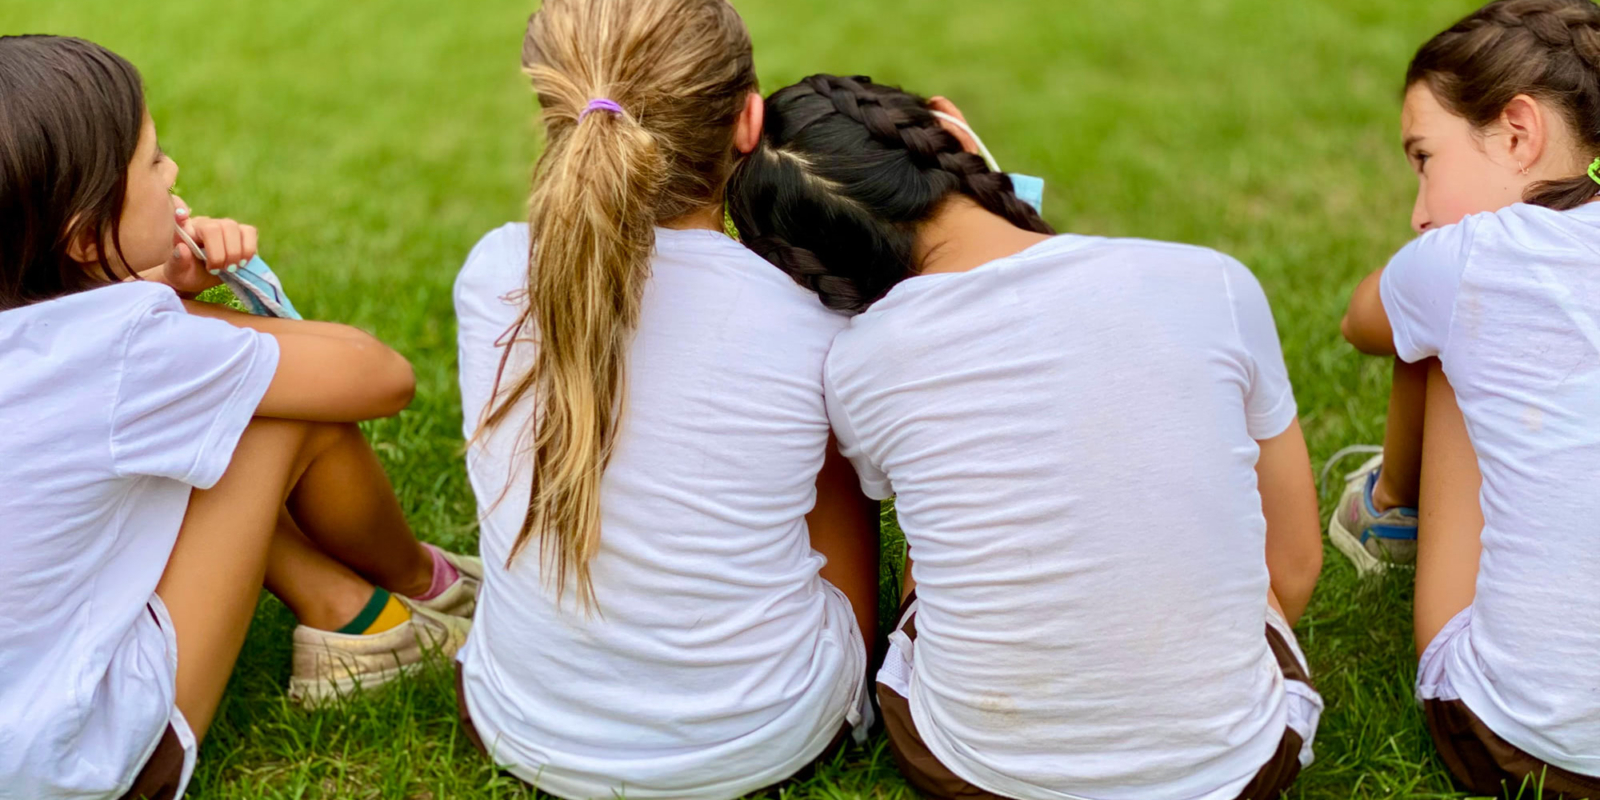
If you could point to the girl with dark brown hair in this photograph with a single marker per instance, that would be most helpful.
(164, 459)
(1486, 480)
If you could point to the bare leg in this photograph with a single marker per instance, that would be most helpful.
(321, 592)
(1450, 519)
(215, 573)
(1399, 482)
(345, 504)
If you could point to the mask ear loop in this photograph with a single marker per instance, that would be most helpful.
(994, 165)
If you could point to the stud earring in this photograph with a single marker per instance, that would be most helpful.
(1523, 167)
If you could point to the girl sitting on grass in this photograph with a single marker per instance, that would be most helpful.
(1096, 461)
(1492, 317)
(673, 548)
(163, 459)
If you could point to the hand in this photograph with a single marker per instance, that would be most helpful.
(226, 244)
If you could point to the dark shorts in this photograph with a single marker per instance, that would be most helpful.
(1486, 764)
(828, 753)
(934, 780)
(159, 778)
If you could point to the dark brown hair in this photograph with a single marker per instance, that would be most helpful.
(846, 173)
(70, 116)
(1546, 49)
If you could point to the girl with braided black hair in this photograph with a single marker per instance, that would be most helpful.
(1486, 479)
(1095, 453)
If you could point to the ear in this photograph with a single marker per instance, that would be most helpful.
(747, 129)
(1527, 131)
(83, 248)
(944, 106)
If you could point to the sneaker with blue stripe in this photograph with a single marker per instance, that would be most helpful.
(1373, 540)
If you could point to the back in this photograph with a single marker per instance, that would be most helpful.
(1070, 434)
(1510, 303)
(718, 656)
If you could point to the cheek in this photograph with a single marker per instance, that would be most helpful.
(1453, 194)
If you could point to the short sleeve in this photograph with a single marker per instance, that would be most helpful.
(488, 301)
(1419, 288)
(874, 483)
(188, 388)
(1269, 400)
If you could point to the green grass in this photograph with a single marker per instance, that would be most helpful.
(374, 142)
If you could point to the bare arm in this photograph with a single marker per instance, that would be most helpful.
(844, 528)
(1294, 528)
(1366, 324)
(326, 372)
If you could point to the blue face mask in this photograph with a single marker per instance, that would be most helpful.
(1029, 189)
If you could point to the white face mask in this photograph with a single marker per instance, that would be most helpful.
(1029, 189)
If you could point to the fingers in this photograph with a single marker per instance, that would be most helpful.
(228, 245)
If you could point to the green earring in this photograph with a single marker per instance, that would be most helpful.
(1594, 171)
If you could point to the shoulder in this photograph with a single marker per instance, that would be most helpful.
(107, 311)
(496, 265)
(726, 261)
(502, 250)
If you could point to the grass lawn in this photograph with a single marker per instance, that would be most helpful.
(374, 142)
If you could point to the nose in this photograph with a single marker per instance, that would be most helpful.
(1419, 217)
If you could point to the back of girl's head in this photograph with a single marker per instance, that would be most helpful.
(70, 117)
(1546, 49)
(847, 172)
(640, 100)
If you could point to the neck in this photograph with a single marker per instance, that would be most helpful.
(963, 235)
(708, 218)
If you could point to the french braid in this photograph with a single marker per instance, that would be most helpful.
(846, 171)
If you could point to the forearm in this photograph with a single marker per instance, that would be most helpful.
(1294, 527)
(273, 325)
(1366, 323)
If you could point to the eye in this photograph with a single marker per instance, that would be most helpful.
(1422, 160)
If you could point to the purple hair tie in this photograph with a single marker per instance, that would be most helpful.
(600, 104)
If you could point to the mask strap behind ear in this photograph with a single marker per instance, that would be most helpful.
(994, 165)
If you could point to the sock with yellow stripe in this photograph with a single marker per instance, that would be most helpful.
(383, 612)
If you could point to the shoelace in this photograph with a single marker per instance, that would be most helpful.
(1333, 461)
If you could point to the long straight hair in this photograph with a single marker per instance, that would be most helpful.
(70, 116)
(680, 72)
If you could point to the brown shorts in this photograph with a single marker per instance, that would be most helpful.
(804, 774)
(159, 778)
(933, 779)
(1486, 764)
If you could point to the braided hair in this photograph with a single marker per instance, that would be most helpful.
(1546, 49)
(846, 172)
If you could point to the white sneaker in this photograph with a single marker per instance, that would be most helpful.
(330, 665)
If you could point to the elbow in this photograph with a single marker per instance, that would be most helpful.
(399, 384)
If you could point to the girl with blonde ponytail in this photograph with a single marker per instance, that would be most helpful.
(649, 442)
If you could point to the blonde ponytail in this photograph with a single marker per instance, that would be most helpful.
(639, 100)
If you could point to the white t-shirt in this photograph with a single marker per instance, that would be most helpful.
(1070, 434)
(114, 404)
(721, 662)
(1510, 303)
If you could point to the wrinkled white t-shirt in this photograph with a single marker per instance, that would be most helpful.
(720, 661)
(1510, 303)
(114, 404)
(1071, 437)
